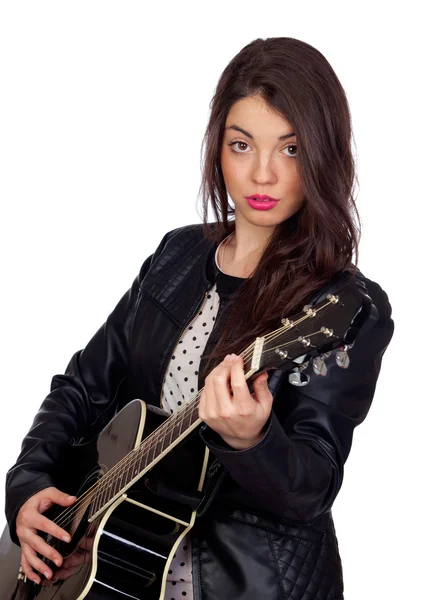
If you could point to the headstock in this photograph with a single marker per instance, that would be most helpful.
(332, 323)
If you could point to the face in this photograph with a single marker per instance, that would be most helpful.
(254, 160)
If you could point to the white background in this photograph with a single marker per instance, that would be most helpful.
(103, 106)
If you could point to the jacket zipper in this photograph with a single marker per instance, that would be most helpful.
(201, 305)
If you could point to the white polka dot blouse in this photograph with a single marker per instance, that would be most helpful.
(181, 385)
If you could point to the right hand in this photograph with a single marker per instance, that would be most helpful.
(29, 520)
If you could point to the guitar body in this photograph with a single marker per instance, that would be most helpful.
(126, 550)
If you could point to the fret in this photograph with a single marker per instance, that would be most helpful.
(94, 504)
(141, 462)
(104, 495)
(180, 424)
(187, 420)
(150, 451)
(116, 482)
(99, 494)
(160, 440)
(119, 479)
(194, 413)
(128, 472)
(136, 466)
(98, 502)
(170, 435)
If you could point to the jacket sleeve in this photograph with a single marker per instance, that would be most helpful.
(77, 400)
(296, 470)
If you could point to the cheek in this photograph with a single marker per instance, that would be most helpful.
(232, 172)
(225, 166)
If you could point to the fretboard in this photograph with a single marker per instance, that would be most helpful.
(160, 442)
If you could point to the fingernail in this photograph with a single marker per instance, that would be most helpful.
(228, 357)
(46, 574)
(58, 562)
(65, 538)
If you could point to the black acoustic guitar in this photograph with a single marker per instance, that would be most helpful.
(124, 531)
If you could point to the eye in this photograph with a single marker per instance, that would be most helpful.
(237, 151)
(232, 144)
(295, 151)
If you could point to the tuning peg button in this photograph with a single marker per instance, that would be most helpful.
(342, 357)
(298, 378)
(319, 366)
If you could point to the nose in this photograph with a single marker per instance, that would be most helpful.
(263, 171)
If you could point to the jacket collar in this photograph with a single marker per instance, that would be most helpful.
(187, 263)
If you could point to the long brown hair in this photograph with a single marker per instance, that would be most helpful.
(308, 248)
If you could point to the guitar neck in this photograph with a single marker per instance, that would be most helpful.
(150, 451)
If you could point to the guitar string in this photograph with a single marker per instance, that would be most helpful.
(131, 459)
(179, 419)
(188, 408)
(164, 429)
(125, 463)
(84, 504)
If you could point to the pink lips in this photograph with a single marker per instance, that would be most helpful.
(261, 201)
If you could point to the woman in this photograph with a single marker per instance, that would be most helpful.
(279, 127)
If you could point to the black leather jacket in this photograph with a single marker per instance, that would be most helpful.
(265, 530)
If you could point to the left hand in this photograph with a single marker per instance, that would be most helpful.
(238, 417)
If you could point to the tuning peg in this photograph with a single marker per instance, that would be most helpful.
(296, 377)
(342, 357)
(319, 366)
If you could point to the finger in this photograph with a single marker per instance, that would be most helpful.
(40, 546)
(263, 395)
(53, 495)
(44, 524)
(219, 401)
(208, 402)
(222, 389)
(26, 567)
(35, 562)
(208, 405)
(242, 400)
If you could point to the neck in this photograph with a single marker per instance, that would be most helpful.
(245, 246)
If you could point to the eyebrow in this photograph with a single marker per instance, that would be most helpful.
(281, 137)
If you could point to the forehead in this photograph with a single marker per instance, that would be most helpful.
(257, 117)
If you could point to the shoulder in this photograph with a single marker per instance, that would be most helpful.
(191, 233)
(378, 327)
(377, 293)
(380, 323)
